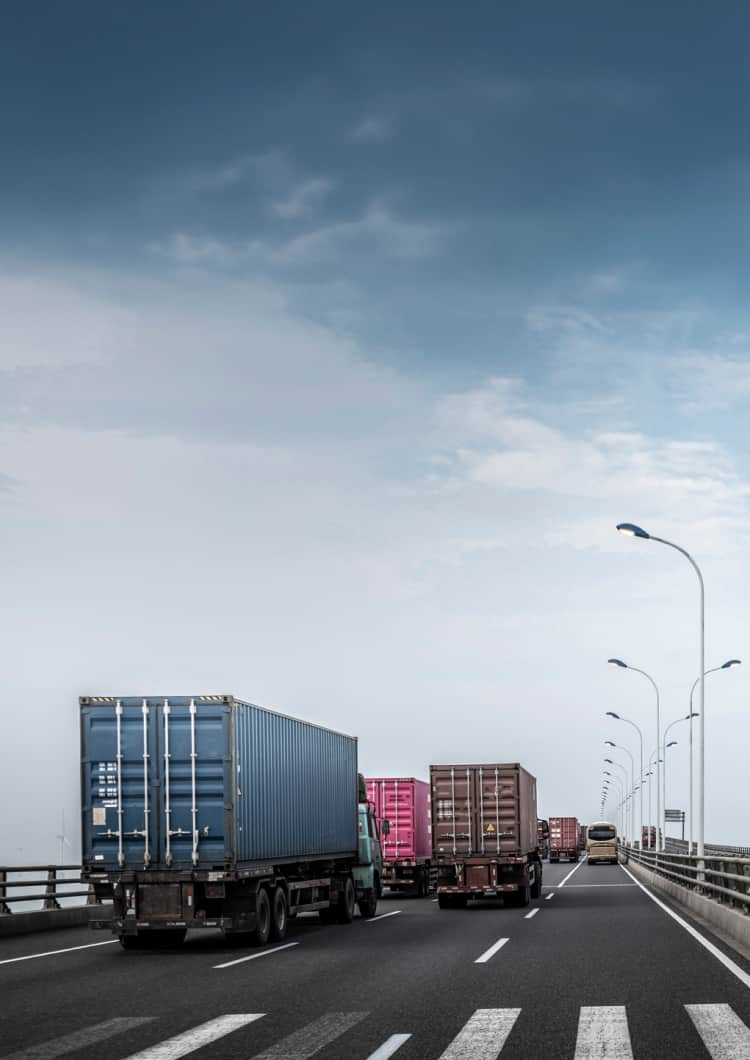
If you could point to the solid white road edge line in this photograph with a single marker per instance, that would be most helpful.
(728, 963)
(569, 875)
(389, 1047)
(54, 953)
(382, 916)
(255, 956)
(491, 951)
(532, 913)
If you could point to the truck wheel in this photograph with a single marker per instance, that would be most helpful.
(524, 896)
(262, 917)
(131, 942)
(346, 902)
(536, 887)
(278, 914)
(368, 906)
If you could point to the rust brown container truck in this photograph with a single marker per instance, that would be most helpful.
(484, 834)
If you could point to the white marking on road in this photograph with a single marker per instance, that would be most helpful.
(582, 885)
(532, 913)
(488, 954)
(570, 874)
(722, 1031)
(484, 1036)
(547, 898)
(435, 899)
(70, 1043)
(196, 1037)
(728, 963)
(389, 1047)
(54, 953)
(383, 916)
(312, 1038)
(603, 1033)
(255, 956)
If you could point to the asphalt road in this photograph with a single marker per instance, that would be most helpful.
(598, 971)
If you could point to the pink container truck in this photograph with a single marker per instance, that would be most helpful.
(402, 810)
(563, 838)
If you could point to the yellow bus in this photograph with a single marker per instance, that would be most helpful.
(601, 843)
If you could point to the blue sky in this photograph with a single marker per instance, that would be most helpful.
(335, 342)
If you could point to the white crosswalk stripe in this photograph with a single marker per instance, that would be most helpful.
(389, 1047)
(722, 1031)
(312, 1038)
(603, 1033)
(196, 1037)
(483, 1036)
(70, 1043)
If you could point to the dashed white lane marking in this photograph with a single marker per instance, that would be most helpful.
(70, 1043)
(563, 882)
(311, 1039)
(484, 1036)
(255, 956)
(548, 896)
(196, 1037)
(581, 886)
(722, 1031)
(434, 899)
(389, 1047)
(603, 1033)
(489, 954)
(532, 913)
(383, 916)
(728, 963)
(54, 953)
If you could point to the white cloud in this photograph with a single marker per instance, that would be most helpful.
(302, 199)
(373, 129)
(711, 381)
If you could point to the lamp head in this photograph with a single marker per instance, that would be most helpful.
(609, 743)
(611, 714)
(618, 662)
(671, 743)
(609, 760)
(730, 663)
(631, 530)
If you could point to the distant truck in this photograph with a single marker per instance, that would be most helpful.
(563, 838)
(582, 829)
(484, 833)
(207, 811)
(402, 811)
(648, 837)
(542, 834)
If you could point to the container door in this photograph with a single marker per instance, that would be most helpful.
(398, 808)
(197, 786)
(119, 783)
(453, 810)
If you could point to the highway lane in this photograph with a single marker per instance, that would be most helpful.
(599, 959)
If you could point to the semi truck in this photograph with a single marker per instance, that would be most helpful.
(484, 834)
(563, 838)
(211, 812)
(402, 811)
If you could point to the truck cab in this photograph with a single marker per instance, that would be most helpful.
(368, 873)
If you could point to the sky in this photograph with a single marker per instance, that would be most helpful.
(334, 343)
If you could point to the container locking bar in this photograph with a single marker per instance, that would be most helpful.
(167, 802)
(497, 809)
(453, 808)
(118, 723)
(193, 757)
(146, 844)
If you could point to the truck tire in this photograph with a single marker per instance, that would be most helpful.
(523, 896)
(536, 887)
(279, 914)
(368, 906)
(346, 902)
(262, 930)
(131, 942)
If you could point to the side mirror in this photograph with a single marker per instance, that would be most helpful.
(385, 827)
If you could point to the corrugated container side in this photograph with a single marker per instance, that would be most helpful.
(563, 833)
(483, 810)
(299, 787)
(404, 802)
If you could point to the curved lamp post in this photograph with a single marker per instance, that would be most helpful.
(632, 530)
(625, 666)
(687, 717)
(627, 788)
(619, 717)
(724, 666)
(611, 743)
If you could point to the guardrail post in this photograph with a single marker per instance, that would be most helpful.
(4, 907)
(50, 895)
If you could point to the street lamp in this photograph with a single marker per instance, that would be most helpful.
(687, 717)
(724, 666)
(636, 531)
(619, 717)
(624, 666)
(611, 762)
(611, 743)
(655, 773)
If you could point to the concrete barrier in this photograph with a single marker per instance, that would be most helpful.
(731, 924)
(49, 919)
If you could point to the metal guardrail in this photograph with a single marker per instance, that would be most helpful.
(680, 846)
(720, 875)
(53, 884)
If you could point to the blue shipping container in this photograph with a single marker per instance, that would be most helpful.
(211, 782)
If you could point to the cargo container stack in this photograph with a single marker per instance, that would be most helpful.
(564, 837)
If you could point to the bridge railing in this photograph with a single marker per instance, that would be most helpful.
(51, 887)
(721, 875)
